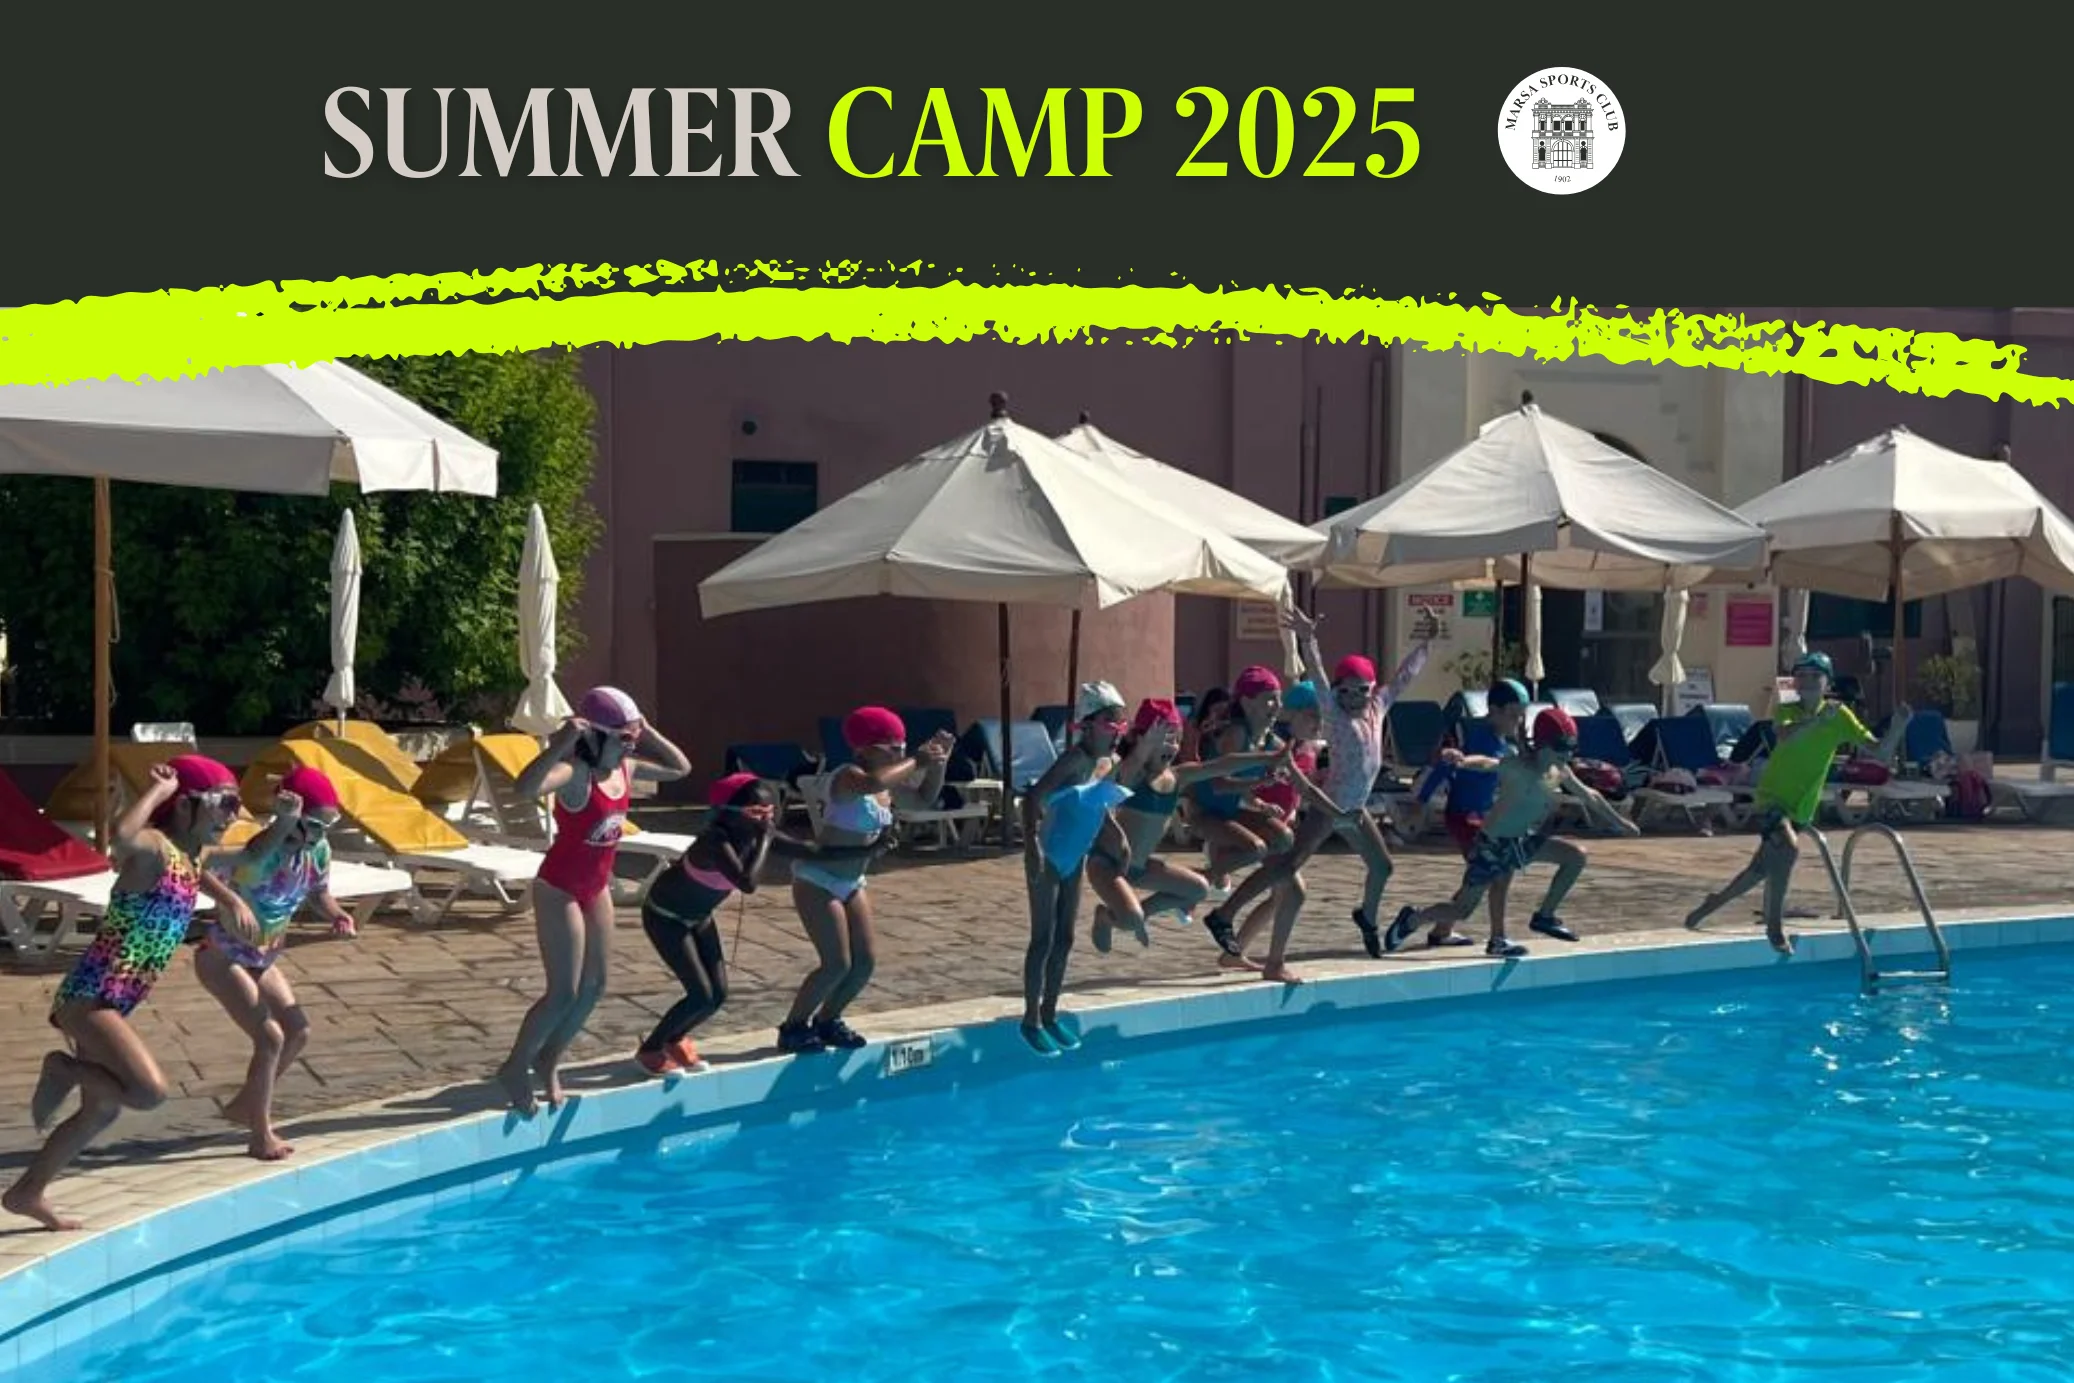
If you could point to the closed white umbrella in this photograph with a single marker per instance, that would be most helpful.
(339, 692)
(1668, 671)
(1900, 518)
(1797, 602)
(1532, 665)
(542, 708)
(274, 429)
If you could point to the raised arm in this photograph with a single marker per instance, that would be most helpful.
(656, 759)
(1188, 775)
(1595, 805)
(551, 770)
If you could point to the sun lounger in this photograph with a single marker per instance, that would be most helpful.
(1679, 742)
(1634, 716)
(1578, 701)
(1726, 723)
(384, 825)
(1055, 720)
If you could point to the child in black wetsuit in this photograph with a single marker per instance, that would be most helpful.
(678, 912)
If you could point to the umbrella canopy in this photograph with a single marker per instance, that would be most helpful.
(1003, 515)
(276, 429)
(1589, 516)
(1258, 527)
(1952, 521)
(542, 708)
(339, 692)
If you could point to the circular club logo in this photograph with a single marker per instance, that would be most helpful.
(1561, 130)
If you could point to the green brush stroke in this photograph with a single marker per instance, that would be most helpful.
(184, 332)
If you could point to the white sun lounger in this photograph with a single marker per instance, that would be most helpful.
(73, 907)
(502, 870)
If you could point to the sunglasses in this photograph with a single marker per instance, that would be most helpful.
(222, 799)
(1358, 688)
(318, 825)
(896, 748)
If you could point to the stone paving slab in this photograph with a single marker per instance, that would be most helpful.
(407, 1008)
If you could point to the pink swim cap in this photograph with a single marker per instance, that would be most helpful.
(725, 789)
(1151, 713)
(1354, 668)
(196, 774)
(873, 725)
(608, 708)
(1255, 681)
(316, 790)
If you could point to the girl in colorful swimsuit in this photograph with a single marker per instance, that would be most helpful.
(158, 843)
(1066, 816)
(274, 872)
(678, 912)
(1149, 770)
(834, 905)
(1236, 831)
(589, 769)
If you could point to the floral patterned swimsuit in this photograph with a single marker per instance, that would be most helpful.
(137, 940)
(274, 886)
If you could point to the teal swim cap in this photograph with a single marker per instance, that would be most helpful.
(1301, 696)
(1506, 692)
(1816, 662)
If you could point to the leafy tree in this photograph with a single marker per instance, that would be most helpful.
(223, 600)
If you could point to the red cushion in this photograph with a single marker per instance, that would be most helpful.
(35, 849)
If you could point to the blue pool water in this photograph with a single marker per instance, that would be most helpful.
(1728, 1177)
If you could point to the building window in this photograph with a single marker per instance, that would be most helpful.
(1838, 617)
(772, 496)
(1339, 504)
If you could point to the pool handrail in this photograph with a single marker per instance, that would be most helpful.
(1840, 881)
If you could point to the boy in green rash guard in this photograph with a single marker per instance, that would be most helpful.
(1789, 791)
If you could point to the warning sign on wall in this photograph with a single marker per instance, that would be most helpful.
(1255, 621)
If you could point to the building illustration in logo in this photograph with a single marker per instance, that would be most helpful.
(1562, 134)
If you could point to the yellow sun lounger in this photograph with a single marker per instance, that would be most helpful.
(388, 825)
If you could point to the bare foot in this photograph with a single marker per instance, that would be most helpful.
(518, 1088)
(1781, 942)
(551, 1079)
(1228, 961)
(1280, 973)
(268, 1147)
(39, 1209)
(52, 1086)
(1699, 914)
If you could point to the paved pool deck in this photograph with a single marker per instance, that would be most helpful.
(407, 1009)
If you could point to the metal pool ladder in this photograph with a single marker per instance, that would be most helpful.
(1840, 880)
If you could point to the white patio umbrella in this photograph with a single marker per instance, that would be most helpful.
(339, 692)
(1285, 540)
(1900, 518)
(1002, 515)
(275, 429)
(1796, 641)
(1533, 492)
(542, 708)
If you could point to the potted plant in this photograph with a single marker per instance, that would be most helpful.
(1471, 668)
(1951, 684)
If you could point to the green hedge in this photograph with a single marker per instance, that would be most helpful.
(223, 600)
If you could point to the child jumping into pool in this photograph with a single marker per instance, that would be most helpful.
(1236, 831)
(678, 912)
(1789, 790)
(1066, 816)
(1352, 718)
(1293, 794)
(1148, 768)
(274, 872)
(1471, 792)
(159, 843)
(588, 769)
(1516, 834)
(829, 893)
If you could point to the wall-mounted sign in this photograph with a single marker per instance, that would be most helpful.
(1432, 600)
(1255, 621)
(1751, 622)
(1479, 604)
(1696, 690)
(1594, 612)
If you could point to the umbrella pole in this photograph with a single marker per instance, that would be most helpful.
(1007, 740)
(1897, 669)
(1528, 636)
(1073, 663)
(104, 580)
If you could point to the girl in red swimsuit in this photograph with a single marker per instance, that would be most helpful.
(589, 768)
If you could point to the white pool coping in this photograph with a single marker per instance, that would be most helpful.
(160, 1224)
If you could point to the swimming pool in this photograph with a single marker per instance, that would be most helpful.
(1747, 1175)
